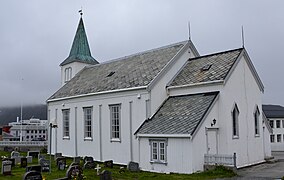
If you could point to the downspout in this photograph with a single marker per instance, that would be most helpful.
(130, 127)
(55, 131)
(100, 132)
(76, 146)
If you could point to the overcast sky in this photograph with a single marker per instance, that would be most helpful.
(36, 36)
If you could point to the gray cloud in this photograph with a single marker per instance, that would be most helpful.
(36, 36)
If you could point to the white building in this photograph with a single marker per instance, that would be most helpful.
(164, 108)
(32, 130)
(275, 115)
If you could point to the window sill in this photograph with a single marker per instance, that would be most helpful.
(256, 135)
(115, 140)
(158, 162)
(66, 138)
(88, 139)
(235, 137)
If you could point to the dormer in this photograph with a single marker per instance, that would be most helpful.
(79, 57)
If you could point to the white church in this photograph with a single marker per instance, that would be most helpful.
(166, 108)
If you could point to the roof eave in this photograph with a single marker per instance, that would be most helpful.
(164, 135)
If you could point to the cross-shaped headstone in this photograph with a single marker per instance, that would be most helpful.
(98, 168)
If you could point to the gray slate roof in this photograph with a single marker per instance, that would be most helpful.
(221, 64)
(128, 72)
(179, 115)
(273, 111)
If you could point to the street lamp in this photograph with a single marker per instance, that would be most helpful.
(51, 125)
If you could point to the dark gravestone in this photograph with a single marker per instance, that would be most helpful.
(34, 154)
(36, 168)
(24, 162)
(8, 149)
(89, 165)
(105, 175)
(74, 172)
(32, 175)
(57, 155)
(108, 164)
(133, 166)
(88, 159)
(6, 168)
(61, 163)
(44, 165)
(10, 159)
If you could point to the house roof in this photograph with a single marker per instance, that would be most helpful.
(207, 68)
(273, 111)
(128, 72)
(80, 51)
(179, 114)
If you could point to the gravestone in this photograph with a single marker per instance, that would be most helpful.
(16, 155)
(44, 165)
(133, 166)
(108, 163)
(77, 159)
(89, 165)
(121, 170)
(61, 163)
(88, 159)
(10, 159)
(36, 168)
(32, 175)
(34, 154)
(74, 172)
(29, 159)
(6, 168)
(57, 155)
(105, 175)
(8, 149)
(98, 168)
(24, 162)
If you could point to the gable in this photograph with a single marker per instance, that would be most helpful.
(129, 72)
(179, 114)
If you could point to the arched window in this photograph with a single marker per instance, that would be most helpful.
(256, 121)
(235, 121)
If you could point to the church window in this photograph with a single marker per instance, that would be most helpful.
(277, 123)
(158, 150)
(68, 74)
(115, 116)
(272, 138)
(66, 120)
(88, 122)
(256, 122)
(235, 118)
(271, 122)
(278, 137)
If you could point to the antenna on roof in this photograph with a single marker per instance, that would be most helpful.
(243, 37)
(189, 35)
(81, 11)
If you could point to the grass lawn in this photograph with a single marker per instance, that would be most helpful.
(18, 172)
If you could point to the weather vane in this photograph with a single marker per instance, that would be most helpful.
(81, 11)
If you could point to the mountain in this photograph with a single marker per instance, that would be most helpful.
(10, 114)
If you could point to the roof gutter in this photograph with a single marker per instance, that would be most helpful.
(197, 84)
(165, 135)
(98, 93)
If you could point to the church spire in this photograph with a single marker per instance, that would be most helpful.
(80, 51)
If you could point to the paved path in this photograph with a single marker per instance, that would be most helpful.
(265, 171)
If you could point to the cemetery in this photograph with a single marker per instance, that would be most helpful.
(36, 166)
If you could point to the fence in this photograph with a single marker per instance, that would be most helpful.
(23, 143)
(220, 159)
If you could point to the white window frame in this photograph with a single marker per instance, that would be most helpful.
(66, 123)
(256, 115)
(88, 122)
(158, 150)
(115, 122)
(68, 74)
(235, 121)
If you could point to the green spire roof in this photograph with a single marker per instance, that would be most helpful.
(80, 51)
